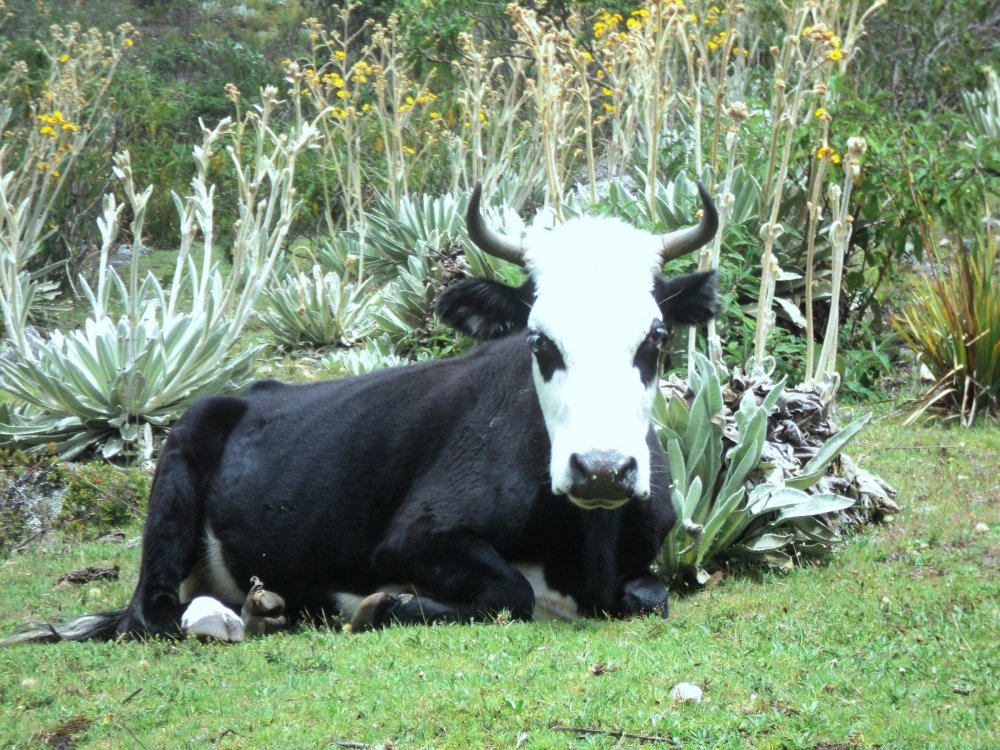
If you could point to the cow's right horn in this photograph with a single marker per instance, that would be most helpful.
(486, 240)
(685, 241)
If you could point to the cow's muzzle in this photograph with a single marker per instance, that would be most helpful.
(602, 479)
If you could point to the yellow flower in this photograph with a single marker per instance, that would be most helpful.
(47, 130)
(599, 29)
(820, 112)
(633, 24)
(606, 91)
(836, 54)
(70, 127)
(641, 13)
(692, 18)
(713, 46)
(609, 107)
(339, 54)
(128, 42)
(408, 150)
(63, 58)
(55, 173)
(343, 94)
(42, 166)
(835, 158)
(365, 107)
(435, 115)
(824, 152)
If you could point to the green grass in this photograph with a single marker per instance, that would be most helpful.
(866, 650)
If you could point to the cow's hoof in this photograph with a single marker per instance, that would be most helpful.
(374, 612)
(207, 619)
(263, 612)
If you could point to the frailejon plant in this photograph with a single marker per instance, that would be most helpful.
(726, 505)
(111, 382)
(317, 309)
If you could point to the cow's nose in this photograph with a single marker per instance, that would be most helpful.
(603, 475)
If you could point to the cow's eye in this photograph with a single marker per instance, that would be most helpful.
(547, 354)
(658, 336)
(647, 356)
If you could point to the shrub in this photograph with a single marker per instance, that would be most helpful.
(100, 497)
(731, 503)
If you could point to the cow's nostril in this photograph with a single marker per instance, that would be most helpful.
(602, 475)
(578, 469)
(628, 470)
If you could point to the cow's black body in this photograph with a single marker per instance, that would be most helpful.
(433, 475)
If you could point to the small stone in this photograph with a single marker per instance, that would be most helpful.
(685, 691)
(981, 528)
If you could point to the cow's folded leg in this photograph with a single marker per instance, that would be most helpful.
(381, 609)
(645, 595)
(468, 577)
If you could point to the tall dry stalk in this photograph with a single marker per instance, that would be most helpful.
(558, 111)
(41, 151)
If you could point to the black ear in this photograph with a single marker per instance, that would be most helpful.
(687, 300)
(486, 309)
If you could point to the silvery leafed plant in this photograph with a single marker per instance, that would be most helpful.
(146, 352)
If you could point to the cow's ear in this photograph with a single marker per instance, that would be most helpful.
(687, 300)
(486, 309)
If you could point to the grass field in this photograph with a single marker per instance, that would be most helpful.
(895, 643)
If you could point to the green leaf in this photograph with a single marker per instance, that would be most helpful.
(832, 448)
(815, 505)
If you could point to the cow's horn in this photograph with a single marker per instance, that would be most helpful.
(493, 244)
(685, 241)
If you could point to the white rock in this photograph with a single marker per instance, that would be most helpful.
(685, 691)
(981, 528)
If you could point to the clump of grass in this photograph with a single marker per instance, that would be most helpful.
(953, 322)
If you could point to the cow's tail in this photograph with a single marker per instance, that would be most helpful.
(100, 626)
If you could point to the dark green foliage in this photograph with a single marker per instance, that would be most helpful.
(30, 485)
(101, 497)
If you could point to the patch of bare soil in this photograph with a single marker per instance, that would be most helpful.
(87, 575)
(65, 736)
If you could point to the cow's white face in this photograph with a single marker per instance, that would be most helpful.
(595, 331)
(594, 315)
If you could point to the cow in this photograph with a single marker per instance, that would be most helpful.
(522, 476)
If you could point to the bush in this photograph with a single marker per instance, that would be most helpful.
(101, 497)
(737, 491)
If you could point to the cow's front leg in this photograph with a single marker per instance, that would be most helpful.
(645, 595)
(468, 579)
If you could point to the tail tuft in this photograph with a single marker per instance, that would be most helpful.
(100, 626)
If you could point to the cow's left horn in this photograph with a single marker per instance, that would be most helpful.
(487, 241)
(685, 241)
